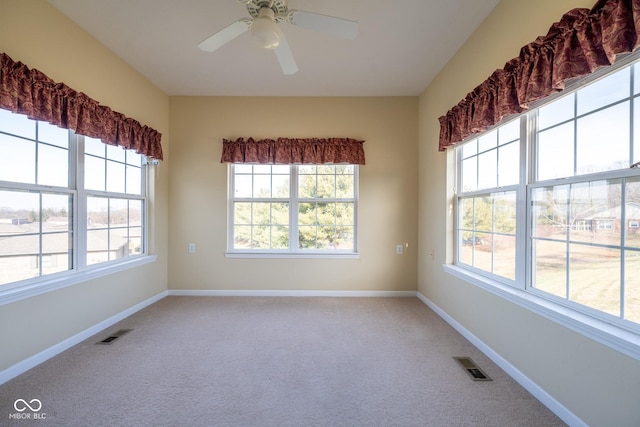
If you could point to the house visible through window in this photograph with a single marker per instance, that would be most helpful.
(543, 200)
(66, 201)
(297, 209)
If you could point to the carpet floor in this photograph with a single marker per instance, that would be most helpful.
(254, 361)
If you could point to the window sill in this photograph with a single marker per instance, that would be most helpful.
(292, 255)
(15, 292)
(612, 336)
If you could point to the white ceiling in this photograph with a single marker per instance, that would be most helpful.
(400, 47)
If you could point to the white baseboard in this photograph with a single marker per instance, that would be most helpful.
(554, 406)
(282, 293)
(54, 350)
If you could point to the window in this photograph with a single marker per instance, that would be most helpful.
(293, 209)
(543, 200)
(67, 202)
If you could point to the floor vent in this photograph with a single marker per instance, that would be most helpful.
(472, 369)
(111, 338)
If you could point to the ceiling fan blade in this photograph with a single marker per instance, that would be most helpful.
(339, 27)
(225, 35)
(285, 57)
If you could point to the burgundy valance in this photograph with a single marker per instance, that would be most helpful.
(32, 93)
(580, 43)
(293, 150)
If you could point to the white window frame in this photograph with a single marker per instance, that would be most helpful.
(293, 251)
(619, 334)
(80, 272)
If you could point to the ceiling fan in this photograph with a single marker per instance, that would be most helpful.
(266, 16)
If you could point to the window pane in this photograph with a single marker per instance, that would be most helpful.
(21, 209)
(261, 185)
(281, 185)
(307, 213)
(550, 267)
(326, 186)
(262, 169)
(504, 256)
(482, 256)
(97, 212)
(488, 141)
(53, 166)
(134, 158)
(488, 169)
(550, 206)
(345, 169)
(636, 127)
(470, 174)
(17, 163)
(94, 173)
(115, 153)
(603, 140)
(243, 185)
(280, 237)
(261, 213)
(483, 213)
(307, 186)
(134, 180)
(118, 212)
(605, 91)
(344, 186)
(505, 213)
(115, 177)
(280, 213)
(19, 260)
(94, 146)
(509, 132)
(558, 111)
(242, 213)
(135, 241)
(307, 236)
(52, 134)
(260, 237)
(470, 149)
(17, 124)
(135, 212)
(595, 212)
(466, 209)
(118, 243)
(632, 286)
(56, 252)
(242, 237)
(595, 278)
(56, 210)
(345, 214)
(632, 213)
(508, 164)
(555, 152)
(97, 246)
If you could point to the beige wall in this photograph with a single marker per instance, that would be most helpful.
(51, 43)
(388, 191)
(599, 385)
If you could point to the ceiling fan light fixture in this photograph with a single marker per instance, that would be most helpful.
(265, 30)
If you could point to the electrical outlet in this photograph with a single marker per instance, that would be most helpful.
(192, 248)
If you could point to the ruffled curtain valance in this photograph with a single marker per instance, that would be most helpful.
(293, 150)
(32, 93)
(580, 43)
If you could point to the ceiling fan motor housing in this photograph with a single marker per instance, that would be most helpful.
(279, 7)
